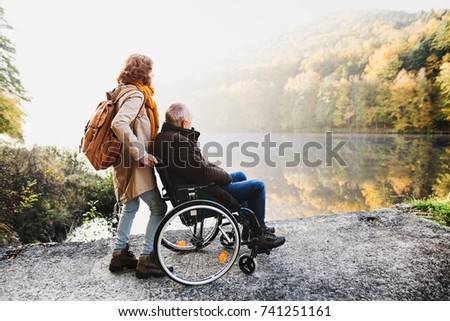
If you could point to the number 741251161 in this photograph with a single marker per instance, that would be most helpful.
(295, 311)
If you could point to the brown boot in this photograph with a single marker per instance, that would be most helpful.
(148, 265)
(122, 259)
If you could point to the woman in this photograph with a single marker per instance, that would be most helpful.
(134, 176)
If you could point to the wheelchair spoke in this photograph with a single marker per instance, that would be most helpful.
(225, 235)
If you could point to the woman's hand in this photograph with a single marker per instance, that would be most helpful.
(148, 160)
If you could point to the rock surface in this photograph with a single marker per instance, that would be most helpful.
(388, 254)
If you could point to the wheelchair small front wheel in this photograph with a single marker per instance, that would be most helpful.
(247, 264)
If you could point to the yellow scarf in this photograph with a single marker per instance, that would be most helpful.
(151, 107)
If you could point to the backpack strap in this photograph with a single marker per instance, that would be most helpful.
(119, 92)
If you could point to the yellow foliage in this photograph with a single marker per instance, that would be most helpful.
(401, 185)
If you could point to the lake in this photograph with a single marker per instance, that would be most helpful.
(315, 174)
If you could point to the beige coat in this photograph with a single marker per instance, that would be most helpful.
(131, 179)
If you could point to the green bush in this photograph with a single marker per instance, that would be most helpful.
(46, 191)
(438, 209)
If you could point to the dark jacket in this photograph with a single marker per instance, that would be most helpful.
(177, 147)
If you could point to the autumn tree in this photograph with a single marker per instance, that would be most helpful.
(11, 117)
(384, 63)
(444, 83)
(326, 101)
(11, 90)
(424, 112)
(403, 100)
(300, 99)
(342, 112)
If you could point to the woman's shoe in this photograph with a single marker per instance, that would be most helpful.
(121, 259)
(148, 265)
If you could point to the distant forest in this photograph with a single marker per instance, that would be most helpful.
(363, 71)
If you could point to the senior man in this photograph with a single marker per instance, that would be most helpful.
(176, 145)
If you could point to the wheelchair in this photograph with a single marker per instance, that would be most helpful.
(199, 240)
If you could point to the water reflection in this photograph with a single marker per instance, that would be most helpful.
(379, 170)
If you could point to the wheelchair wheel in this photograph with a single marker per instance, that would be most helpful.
(190, 240)
(247, 264)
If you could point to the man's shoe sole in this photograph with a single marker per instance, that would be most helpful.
(116, 269)
(142, 275)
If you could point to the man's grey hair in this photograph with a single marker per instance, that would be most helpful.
(176, 113)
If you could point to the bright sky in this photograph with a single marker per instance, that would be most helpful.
(70, 52)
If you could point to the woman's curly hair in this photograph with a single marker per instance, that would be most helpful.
(137, 69)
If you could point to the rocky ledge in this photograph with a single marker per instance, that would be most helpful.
(387, 254)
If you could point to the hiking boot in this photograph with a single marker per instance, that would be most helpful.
(122, 259)
(272, 241)
(268, 229)
(148, 265)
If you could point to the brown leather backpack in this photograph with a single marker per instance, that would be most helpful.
(99, 143)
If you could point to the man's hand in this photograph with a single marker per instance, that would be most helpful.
(148, 160)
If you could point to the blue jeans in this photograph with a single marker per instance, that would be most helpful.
(249, 193)
(157, 210)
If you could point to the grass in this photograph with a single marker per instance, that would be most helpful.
(438, 210)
